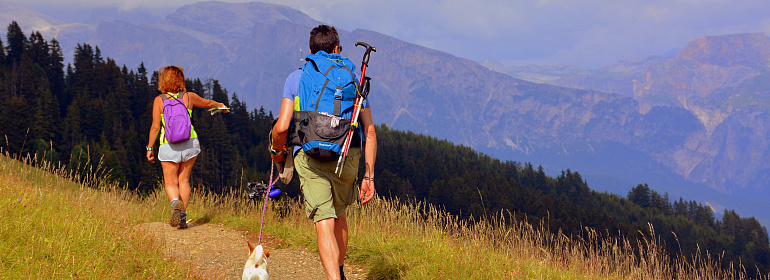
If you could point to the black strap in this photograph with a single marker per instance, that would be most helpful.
(322, 88)
(337, 102)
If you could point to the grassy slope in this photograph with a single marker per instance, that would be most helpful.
(52, 227)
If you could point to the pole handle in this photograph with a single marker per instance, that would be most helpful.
(369, 49)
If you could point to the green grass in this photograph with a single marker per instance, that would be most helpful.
(51, 227)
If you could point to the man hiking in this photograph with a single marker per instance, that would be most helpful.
(327, 194)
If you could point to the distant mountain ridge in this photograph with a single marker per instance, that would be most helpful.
(720, 80)
(618, 129)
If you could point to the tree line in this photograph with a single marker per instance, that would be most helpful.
(94, 116)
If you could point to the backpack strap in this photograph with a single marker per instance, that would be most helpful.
(338, 92)
(189, 112)
(324, 86)
(163, 97)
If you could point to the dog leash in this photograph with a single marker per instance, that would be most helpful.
(264, 206)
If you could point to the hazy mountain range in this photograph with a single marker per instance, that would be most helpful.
(693, 122)
(720, 83)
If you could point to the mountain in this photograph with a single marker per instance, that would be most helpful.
(720, 80)
(68, 34)
(28, 19)
(619, 127)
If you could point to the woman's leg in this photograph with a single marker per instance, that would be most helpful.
(183, 176)
(171, 179)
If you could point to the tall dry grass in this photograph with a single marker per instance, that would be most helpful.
(54, 228)
(414, 240)
(393, 239)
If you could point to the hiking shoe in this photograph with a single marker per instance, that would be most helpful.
(176, 211)
(183, 220)
(183, 223)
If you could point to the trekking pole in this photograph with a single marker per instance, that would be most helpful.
(356, 105)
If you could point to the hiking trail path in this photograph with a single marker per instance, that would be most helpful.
(215, 251)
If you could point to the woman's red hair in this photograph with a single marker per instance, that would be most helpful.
(171, 79)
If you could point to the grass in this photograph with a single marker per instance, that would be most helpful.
(53, 228)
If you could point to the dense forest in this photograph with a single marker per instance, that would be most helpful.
(94, 116)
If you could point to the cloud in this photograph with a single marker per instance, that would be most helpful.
(585, 32)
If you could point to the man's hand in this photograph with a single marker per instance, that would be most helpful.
(279, 157)
(367, 191)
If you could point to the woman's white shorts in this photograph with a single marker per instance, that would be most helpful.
(179, 152)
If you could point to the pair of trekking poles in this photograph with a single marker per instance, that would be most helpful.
(361, 94)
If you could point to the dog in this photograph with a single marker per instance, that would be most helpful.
(255, 190)
(256, 265)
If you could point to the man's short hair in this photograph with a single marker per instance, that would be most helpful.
(324, 38)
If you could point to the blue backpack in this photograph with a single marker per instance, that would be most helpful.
(327, 91)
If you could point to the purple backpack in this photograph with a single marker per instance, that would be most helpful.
(176, 119)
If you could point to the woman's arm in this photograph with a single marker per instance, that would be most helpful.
(201, 102)
(154, 128)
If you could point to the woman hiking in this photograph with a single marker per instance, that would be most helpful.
(179, 146)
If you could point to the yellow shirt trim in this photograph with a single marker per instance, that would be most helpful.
(163, 139)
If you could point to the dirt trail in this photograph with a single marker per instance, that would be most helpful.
(218, 252)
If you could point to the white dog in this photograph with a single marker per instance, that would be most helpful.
(256, 265)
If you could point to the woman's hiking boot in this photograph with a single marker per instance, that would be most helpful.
(176, 211)
(183, 221)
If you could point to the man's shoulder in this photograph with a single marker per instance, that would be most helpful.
(291, 87)
(295, 74)
(294, 77)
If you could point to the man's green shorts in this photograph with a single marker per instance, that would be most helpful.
(326, 194)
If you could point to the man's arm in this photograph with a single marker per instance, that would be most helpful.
(370, 154)
(281, 128)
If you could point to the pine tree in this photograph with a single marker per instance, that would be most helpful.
(38, 49)
(2, 53)
(72, 130)
(15, 126)
(46, 117)
(238, 120)
(640, 195)
(55, 68)
(16, 42)
(83, 74)
(218, 93)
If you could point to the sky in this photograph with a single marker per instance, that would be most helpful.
(588, 33)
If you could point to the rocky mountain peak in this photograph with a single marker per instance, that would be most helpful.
(745, 49)
(215, 17)
(27, 19)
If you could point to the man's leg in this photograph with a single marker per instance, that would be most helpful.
(328, 248)
(341, 234)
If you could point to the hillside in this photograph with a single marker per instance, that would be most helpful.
(250, 48)
(394, 239)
